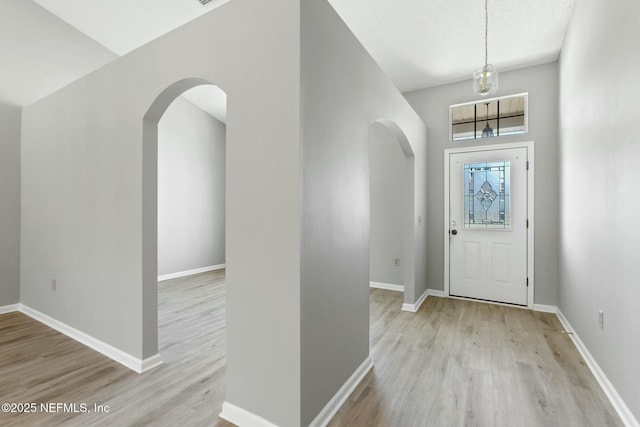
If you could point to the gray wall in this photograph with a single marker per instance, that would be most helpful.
(297, 281)
(541, 82)
(388, 193)
(599, 239)
(89, 188)
(10, 204)
(191, 171)
(343, 92)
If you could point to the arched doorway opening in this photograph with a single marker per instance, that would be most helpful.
(392, 209)
(191, 229)
(183, 222)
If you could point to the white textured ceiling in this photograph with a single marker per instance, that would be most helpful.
(47, 44)
(124, 25)
(418, 43)
(424, 43)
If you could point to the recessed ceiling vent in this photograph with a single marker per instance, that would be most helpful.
(203, 2)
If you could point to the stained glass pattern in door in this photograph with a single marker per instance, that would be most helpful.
(487, 196)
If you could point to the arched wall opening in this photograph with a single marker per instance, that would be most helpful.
(392, 209)
(191, 184)
(163, 261)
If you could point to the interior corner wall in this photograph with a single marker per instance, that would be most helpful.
(191, 182)
(343, 92)
(10, 119)
(85, 173)
(599, 239)
(388, 193)
(541, 82)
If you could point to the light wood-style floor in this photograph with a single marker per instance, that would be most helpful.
(465, 363)
(454, 363)
(38, 364)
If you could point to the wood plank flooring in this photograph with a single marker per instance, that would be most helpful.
(454, 363)
(38, 364)
(465, 363)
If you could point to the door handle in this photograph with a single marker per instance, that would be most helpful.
(454, 231)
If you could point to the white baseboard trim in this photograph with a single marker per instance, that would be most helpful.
(9, 308)
(242, 418)
(131, 362)
(535, 307)
(190, 272)
(333, 406)
(436, 293)
(387, 286)
(150, 362)
(545, 308)
(621, 408)
(413, 308)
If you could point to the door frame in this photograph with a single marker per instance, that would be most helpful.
(530, 146)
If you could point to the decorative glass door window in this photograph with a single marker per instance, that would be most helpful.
(487, 196)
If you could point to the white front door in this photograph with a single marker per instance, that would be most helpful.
(488, 225)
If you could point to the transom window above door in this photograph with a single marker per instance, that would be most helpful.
(488, 118)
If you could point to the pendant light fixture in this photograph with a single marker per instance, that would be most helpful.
(487, 132)
(485, 80)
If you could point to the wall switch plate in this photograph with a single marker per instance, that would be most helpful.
(396, 262)
(54, 285)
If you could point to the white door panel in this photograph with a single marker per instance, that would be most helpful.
(488, 231)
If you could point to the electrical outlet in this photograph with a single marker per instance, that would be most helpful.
(54, 285)
(396, 262)
(601, 319)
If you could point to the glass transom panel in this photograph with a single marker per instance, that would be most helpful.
(487, 197)
(489, 118)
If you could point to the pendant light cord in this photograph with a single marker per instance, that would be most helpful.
(486, 33)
